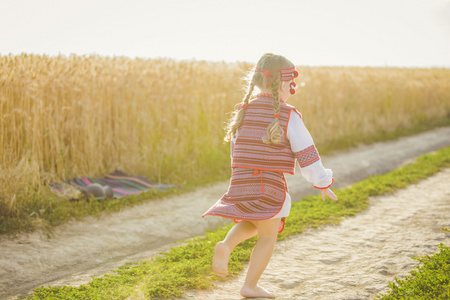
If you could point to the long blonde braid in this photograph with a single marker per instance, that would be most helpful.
(274, 131)
(238, 116)
(272, 63)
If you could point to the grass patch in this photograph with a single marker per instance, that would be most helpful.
(431, 280)
(189, 266)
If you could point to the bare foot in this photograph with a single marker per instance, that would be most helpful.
(256, 292)
(220, 259)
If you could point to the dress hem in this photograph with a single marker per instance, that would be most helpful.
(280, 228)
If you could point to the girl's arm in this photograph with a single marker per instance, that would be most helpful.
(302, 145)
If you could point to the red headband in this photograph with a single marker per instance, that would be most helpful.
(286, 74)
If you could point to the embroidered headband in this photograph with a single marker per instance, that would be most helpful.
(286, 74)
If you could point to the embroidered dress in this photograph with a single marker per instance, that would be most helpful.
(258, 189)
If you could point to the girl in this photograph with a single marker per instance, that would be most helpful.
(267, 137)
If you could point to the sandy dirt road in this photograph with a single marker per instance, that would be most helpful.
(95, 246)
(359, 257)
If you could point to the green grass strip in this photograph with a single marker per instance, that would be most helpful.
(431, 280)
(189, 266)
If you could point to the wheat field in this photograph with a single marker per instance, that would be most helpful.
(64, 117)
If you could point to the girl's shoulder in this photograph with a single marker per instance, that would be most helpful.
(291, 108)
(241, 105)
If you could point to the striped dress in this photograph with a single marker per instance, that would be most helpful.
(258, 189)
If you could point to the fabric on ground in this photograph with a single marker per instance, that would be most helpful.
(121, 183)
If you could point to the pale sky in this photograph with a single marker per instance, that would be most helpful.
(403, 33)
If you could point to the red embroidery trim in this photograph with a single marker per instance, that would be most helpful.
(261, 95)
(266, 74)
(307, 156)
(324, 188)
(256, 173)
(289, 118)
(276, 115)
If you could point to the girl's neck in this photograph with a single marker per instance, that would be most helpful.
(265, 91)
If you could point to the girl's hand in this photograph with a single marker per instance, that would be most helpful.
(329, 193)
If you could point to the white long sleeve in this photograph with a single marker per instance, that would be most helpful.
(232, 143)
(306, 153)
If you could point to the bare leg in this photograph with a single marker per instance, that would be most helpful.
(239, 233)
(267, 236)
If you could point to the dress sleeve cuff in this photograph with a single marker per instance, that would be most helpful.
(324, 188)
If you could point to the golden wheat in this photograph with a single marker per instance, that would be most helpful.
(64, 117)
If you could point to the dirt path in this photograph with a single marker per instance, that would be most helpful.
(359, 257)
(94, 246)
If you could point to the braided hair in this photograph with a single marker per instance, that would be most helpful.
(272, 63)
(274, 131)
(238, 116)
